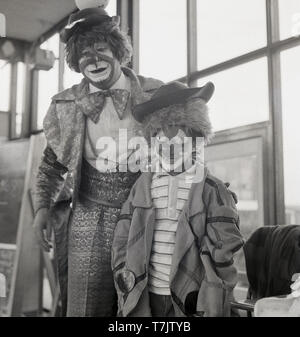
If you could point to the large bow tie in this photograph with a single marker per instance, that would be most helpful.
(92, 104)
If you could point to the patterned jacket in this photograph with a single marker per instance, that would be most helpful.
(202, 273)
(59, 173)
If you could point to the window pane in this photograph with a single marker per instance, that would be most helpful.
(289, 13)
(227, 29)
(112, 7)
(52, 44)
(20, 97)
(241, 164)
(163, 39)
(48, 87)
(71, 77)
(291, 135)
(241, 95)
(5, 70)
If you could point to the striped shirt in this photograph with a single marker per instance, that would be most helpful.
(169, 194)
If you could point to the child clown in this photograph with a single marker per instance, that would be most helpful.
(173, 247)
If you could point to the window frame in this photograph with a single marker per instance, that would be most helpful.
(258, 130)
(35, 81)
(275, 206)
(10, 113)
(276, 202)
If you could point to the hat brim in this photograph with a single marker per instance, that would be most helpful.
(141, 111)
(85, 22)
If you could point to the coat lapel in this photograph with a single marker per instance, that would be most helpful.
(72, 138)
(184, 235)
(142, 199)
(72, 122)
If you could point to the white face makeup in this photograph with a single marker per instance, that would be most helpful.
(98, 72)
(170, 151)
(99, 66)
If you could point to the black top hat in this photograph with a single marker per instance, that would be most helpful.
(171, 94)
(84, 18)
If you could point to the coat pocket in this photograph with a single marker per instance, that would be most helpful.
(211, 300)
(213, 296)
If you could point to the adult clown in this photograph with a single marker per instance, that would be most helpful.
(77, 193)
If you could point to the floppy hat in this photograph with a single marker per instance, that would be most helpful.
(87, 17)
(91, 13)
(171, 94)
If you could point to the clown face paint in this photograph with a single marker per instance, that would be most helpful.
(99, 66)
(176, 149)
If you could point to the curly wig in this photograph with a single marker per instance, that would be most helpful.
(192, 116)
(108, 32)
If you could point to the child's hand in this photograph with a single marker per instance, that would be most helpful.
(295, 286)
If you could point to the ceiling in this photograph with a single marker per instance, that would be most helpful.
(29, 19)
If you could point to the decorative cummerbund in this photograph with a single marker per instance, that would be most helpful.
(105, 188)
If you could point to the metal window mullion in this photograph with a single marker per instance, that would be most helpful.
(13, 100)
(245, 58)
(28, 104)
(286, 44)
(34, 98)
(61, 66)
(276, 179)
(254, 55)
(192, 64)
(128, 10)
(135, 34)
(122, 9)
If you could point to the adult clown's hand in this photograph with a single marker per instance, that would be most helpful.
(42, 229)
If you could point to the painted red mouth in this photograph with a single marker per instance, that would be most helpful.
(98, 71)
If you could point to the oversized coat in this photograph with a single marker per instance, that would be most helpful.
(203, 274)
(59, 173)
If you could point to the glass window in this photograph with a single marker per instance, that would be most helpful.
(240, 164)
(48, 81)
(52, 44)
(289, 14)
(163, 39)
(112, 7)
(241, 95)
(71, 77)
(5, 72)
(48, 87)
(291, 135)
(227, 29)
